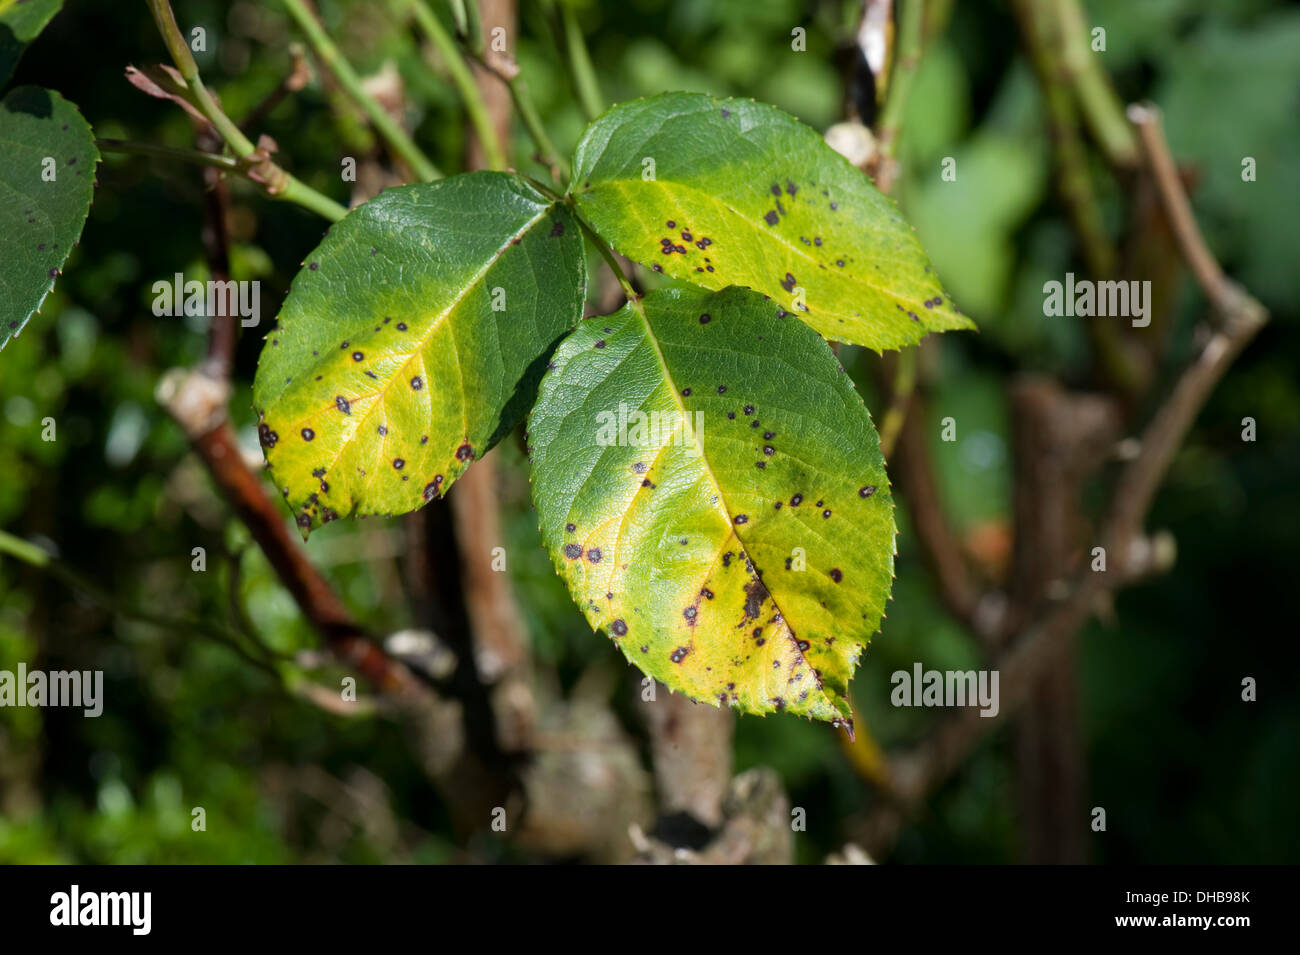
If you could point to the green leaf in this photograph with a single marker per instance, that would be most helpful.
(20, 22)
(733, 192)
(684, 540)
(391, 370)
(41, 135)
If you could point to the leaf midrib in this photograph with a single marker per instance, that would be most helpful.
(639, 309)
(423, 342)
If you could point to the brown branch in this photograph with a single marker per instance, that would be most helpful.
(223, 332)
(198, 403)
(1041, 643)
(1225, 296)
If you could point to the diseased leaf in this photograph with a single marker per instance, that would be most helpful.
(41, 135)
(412, 341)
(737, 545)
(20, 23)
(733, 192)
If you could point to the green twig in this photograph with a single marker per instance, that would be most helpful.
(891, 424)
(469, 25)
(254, 164)
(581, 70)
(189, 70)
(608, 255)
(392, 133)
(1098, 101)
(907, 54)
(290, 189)
(470, 94)
(506, 69)
(546, 150)
(1040, 26)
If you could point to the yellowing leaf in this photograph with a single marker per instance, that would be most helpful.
(710, 486)
(412, 341)
(733, 192)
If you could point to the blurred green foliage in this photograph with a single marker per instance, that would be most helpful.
(1186, 771)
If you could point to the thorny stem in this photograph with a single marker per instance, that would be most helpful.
(293, 190)
(470, 94)
(392, 133)
(227, 163)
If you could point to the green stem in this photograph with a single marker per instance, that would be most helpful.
(392, 133)
(189, 70)
(608, 255)
(580, 66)
(291, 189)
(1098, 101)
(904, 384)
(1040, 26)
(907, 54)
(25, 551)
(470, 24)
(470, 94)
(297, 191)
(228, 163)
(533, 123)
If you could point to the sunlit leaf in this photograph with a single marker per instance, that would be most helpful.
(737, 542)
(412, 341)
(733, 192)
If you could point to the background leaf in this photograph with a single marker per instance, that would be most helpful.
(390, 370)
(20, 22)
(680, 546)
(744, 194)
(39, 221)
